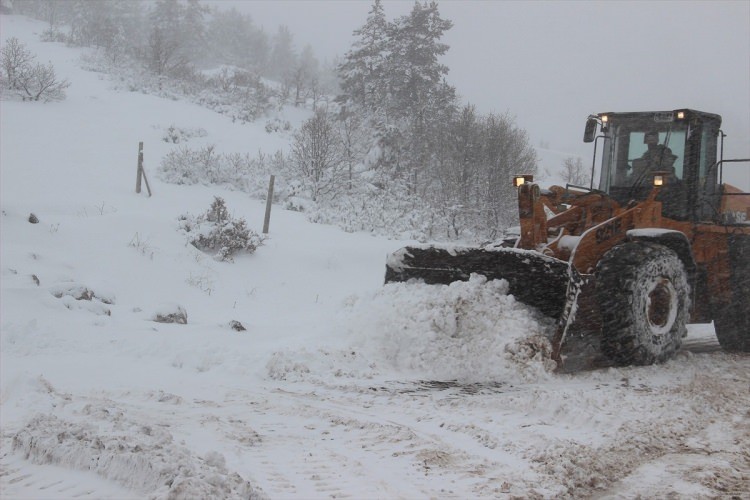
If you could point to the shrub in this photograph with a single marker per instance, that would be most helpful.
(238, 171)
(217, 232)
(176, 135)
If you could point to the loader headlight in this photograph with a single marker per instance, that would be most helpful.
(658, 180)
(680, 115)
(522, 179)
(605, 123)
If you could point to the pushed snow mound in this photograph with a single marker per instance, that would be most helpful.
(470, 331)
(467, 331)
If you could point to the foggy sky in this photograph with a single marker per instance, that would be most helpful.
(551, 64)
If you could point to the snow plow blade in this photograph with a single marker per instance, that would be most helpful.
(535, 279)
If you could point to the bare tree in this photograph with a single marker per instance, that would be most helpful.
(573, 171)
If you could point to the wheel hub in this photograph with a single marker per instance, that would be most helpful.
(661, 307)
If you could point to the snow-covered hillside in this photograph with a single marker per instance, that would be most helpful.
(339, 386)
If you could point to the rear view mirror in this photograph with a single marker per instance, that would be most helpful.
(590, 132)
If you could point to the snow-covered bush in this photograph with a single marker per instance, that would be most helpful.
(170, 313)
(381, 211)
(217, 232)
(239, 93)
(190, 166)
(176, 135)
(205, 166)
(277, 125)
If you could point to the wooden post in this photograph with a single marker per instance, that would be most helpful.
(145, 179)
(141, 172)
(269, 201)
(140, 168)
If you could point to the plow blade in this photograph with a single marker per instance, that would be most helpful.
(534, 279)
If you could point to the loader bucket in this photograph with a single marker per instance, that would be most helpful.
(535, 279)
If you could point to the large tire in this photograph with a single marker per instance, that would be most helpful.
(732, 322)
(644, 300)
(733, 328)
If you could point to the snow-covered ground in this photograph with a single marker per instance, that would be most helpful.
(338, 387)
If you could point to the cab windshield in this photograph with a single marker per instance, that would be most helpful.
(682, 149)
(633, 154)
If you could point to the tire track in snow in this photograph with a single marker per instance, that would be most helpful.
(332, 438)
(312, 448)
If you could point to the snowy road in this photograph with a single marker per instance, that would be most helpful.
(677, 429)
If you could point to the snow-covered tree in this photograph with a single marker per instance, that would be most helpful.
(415, 74)
(283, 56)
(316, 157)
(165, 40)
(305, 76)
(354, 145)
(193, 30)
(363, 71)
(419, 98)
(234, 39)
(39, 82)
(506, 150)
(27, 79)
(15, 59)
(460, 155)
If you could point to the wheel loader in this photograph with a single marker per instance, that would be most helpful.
(623, 267)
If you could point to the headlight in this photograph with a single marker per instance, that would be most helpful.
(522, 179)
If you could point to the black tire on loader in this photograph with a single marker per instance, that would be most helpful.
(733, 328)
(644, 300)
(732, 322)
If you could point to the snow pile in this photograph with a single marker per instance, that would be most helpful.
(469, 331)
(136, 455)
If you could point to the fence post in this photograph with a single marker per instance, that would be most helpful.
(141, 172)
(140, 168)
(269, 202)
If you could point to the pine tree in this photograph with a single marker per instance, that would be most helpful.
(193, 30)
(416, 77)
(419, 98)
(234, 39)
(283, 55)
(165, 43)
(305, 74)
(363, 71)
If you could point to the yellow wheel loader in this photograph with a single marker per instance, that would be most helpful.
(662, 242)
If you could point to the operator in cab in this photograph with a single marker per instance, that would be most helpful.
(657, 158)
